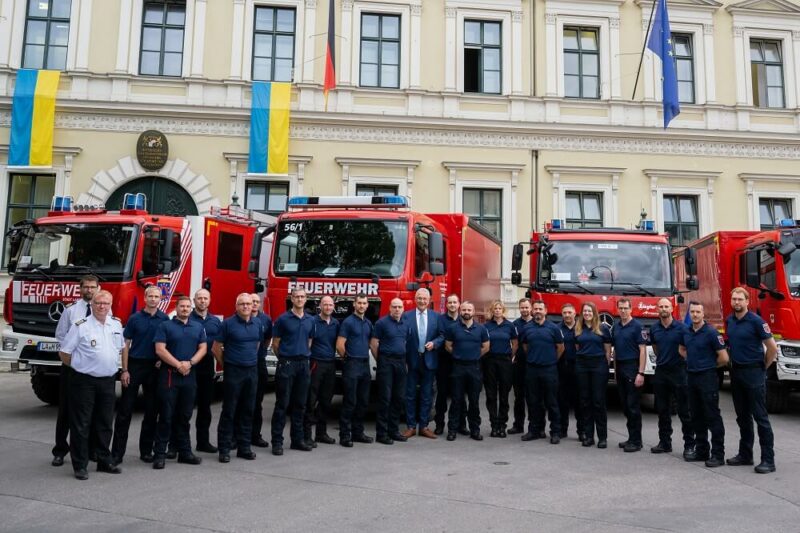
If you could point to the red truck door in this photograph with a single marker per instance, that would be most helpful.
(227, 253)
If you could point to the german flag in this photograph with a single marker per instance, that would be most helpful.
(330, 54)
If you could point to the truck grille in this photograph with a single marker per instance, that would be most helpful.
(33, 319)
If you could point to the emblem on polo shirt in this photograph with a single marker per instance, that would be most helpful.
(93, 343)
(766, 327)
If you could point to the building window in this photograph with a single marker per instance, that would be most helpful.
(162, 39)
(380, 51)
(46, 35)
(773, 210)
(28, 197)
(680, 219)
(766, 71)
(584, 209)
(376, 190)
(266, 197)
(581, 63)
(273, 44)
(485, 206)
(683, 54)
(482, 57)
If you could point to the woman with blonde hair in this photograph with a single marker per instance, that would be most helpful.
(497, 366)
(593, 342)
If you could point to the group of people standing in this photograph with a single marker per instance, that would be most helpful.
(552, 368)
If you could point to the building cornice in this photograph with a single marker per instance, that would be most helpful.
(501, 167)
(376, 162)
(584, 171)
(745, 176)
(681, 174)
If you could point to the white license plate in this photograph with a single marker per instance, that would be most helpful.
(47, 346)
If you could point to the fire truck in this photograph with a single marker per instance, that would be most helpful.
(342, 246)
(127, 250)
(767, 264)
(599, 265)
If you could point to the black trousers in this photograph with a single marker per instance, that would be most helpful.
(391, 385)
(670, 381)
(91, 402)
(749, 389)
(443, 392)
(176, 395)
(356, 381)
(258, 409)
(518, 382)
(143, 372)
(592, 383)
(497, 376)
(239, 392)
(291, 394)
(568, 398)
(706, 417)
(630, 397)
(61, 447)
(465, 379)
(320, 396)
(204, 397)
(541, 386)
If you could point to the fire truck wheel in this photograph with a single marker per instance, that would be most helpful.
(777, 396)
(45, 387)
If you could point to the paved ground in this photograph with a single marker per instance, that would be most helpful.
(422, 485)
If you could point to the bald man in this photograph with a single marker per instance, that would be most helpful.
(205, 370)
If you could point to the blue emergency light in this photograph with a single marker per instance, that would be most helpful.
(134, 202)
(648, 225)
(556, 223)
(61, 204)
(787, 223)
(348, 201)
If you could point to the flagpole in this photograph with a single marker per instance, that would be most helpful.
(644, 47)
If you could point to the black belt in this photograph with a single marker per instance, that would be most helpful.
(463, 362)
(292, 358)
(537, 365)
(747, 365)
(696, 372)
(352, 358)
(327, 360)
(393, 355)
(590, 357)
(500, 355)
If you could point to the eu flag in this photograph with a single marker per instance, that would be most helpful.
(660, 42)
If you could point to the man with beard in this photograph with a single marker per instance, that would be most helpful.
(323, 374)
(443, 371)
(629, 342)
(205, 370)
(568, 398)
(519, 369)
(388, 345)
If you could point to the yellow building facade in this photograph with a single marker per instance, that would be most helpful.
(513, 111)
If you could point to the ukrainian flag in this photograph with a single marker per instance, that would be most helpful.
(32, 117)
(269, 128)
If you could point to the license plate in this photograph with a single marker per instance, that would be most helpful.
(47, 346)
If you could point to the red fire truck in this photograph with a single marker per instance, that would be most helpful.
(341, 246)
(767, 263)
(599, 265)
(127, 250)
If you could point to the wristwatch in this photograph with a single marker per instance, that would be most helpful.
(641, 373)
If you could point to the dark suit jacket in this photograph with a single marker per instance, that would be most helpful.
(434, 334)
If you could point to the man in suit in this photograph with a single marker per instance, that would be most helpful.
(422, 356)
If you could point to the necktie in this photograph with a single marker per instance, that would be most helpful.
(422, 330)
(88, 309)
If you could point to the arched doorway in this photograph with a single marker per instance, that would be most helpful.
(164, 197)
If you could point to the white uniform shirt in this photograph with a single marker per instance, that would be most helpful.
(72, 314)
(95, 348)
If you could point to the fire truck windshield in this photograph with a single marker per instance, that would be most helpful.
(56, 250)
(341, 248)
(792, 267)
(625, 267)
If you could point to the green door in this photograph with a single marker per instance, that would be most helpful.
(164, 197)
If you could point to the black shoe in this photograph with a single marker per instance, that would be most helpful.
(108, 468)
(325, 439)
(690, 454)
(172, 454)
(260, 442)
(364, 439)
(623, 444)
(476, 436)
(451, 435)
(93, 456)
(116, 460)
(277, 450)
(224, 458)
(555, 439)
(602, 444)
(81, 474)
(738, 460)
(494, 434)
(581, 436)
(713, 462)
(463, 431)
(662, 447)
(529, 436)
(347, 443)
(563, 434)
(301, 447)
(587, 442)
(309, 442)
(145, 458)
(542, 434)
(631, 447)
(58, 460)
(765, 468)
(159, 463)
(439, 429)
(398, 437)
(234, 445)
(514, 430)
(207, 448)
(384, 440)
(246, 454)
(190, 459)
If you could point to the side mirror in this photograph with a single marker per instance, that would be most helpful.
(436, 268)
(786, 250)
(12, 266)
(752, 277)
(412, 286)
(252, 268)
(255, 248)
(167, 238)
(436, 248)
(516, 278)
(680, 299)
(516, 258)
(690, 261)
(258, 287)
(552, 259)
(692, 283)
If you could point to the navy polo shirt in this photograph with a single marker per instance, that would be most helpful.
(467, 341)
(241, 339)
(627, 338)
(140, 330)
(181, 339)
(356, 332)
(294, 333)
(702, 347)
(392, 336)
(323, 344)
(590, 344)
(542, 340)
(264, 346)
(500, 336)
(570, 350)
(520, 325)
(746, 337)
(667, 341)
(211, 324)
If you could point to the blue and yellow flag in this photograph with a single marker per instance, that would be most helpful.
(33, 113)
(269, 128)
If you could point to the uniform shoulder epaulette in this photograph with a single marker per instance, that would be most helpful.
(117, 319)
(81, 321)
(69, 305)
